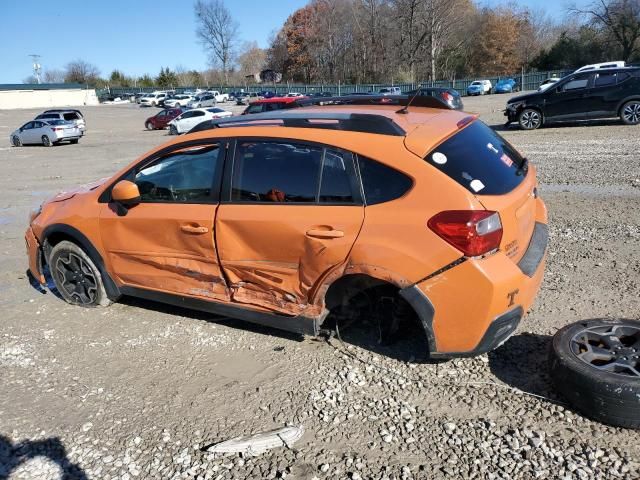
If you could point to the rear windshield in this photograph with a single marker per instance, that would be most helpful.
(480, 160)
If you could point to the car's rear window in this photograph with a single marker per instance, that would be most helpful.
(480, 160)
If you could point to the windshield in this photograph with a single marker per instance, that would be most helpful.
(476, 84)
(480, 160)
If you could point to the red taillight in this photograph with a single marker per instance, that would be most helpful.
(473, 232)
(447, 97)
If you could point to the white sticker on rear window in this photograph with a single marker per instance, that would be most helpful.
(439, 158)
(492, 148)
(476, 185)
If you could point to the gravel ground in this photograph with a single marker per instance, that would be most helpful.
(138, 389)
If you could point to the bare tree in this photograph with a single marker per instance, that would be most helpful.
(218, 32)
(54, 76)
(80, 71)
(620, 19)
(252, 59)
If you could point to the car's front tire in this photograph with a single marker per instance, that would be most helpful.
(630, 113)
(76, 277)
(530, 119)
(15, 141)
(173, 130)
(149, 126)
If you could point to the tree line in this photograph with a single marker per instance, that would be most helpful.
(382, 41)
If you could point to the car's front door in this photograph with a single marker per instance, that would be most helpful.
(290, 213)
(569, 100)
(166, 242)
(190, 120)
(26, 133)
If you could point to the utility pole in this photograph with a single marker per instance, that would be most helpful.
(36, 66)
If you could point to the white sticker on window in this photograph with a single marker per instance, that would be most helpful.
(476, 185)
(439, 158)
(492, 148)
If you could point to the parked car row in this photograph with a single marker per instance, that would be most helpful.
(51, 127)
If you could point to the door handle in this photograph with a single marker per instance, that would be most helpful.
(194, 229)
(325, 233)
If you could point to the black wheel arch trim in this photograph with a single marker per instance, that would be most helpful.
(500, 329)
(113, 292)
(625, 101)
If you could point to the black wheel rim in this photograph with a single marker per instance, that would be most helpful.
(76, 278)
(530, 119)
(609, 348)
(631, 113)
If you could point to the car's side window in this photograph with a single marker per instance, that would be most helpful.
(187, 115)
(381, 183)
(28, 126)
(335, 184)
(622, 76)
(38, 124)
(275, 171)
(605, 79)
(163, 113)
(197, 114)
(183, 176)
(576, 83)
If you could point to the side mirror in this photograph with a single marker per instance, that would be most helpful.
(126, 193)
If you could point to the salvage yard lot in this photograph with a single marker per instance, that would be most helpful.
(138, 388)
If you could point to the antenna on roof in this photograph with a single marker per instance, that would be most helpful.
(405, 109)
(36, 66)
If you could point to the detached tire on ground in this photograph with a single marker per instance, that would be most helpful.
(76, 277)
(595, 365)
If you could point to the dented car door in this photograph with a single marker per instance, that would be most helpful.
(290, 214)
(166, 242)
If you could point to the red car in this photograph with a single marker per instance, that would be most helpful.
(269, 104)
(161, 119)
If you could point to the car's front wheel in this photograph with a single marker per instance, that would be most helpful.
(630, 113)
(530, 119)
(15, 141)
(149, 126)
(173, 130)
(76, 277)
(595, 364)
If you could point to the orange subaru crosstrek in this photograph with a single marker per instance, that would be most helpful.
(280, 218)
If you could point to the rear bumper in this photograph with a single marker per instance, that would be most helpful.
(34, 253)
(475, 306)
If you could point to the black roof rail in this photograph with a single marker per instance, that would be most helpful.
(364, 100)
(354, 122)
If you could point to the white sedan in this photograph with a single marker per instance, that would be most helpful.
(45, 132)
(189, 119)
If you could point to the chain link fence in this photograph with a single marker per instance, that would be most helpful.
(526, 81)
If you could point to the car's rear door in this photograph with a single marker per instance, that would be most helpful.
(166, 242)
(604, 96)
(290, 213)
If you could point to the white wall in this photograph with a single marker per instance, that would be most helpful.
(10, 99)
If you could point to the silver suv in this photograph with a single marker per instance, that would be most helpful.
(70, 115)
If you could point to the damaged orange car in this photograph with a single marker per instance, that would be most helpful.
(280, 218)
